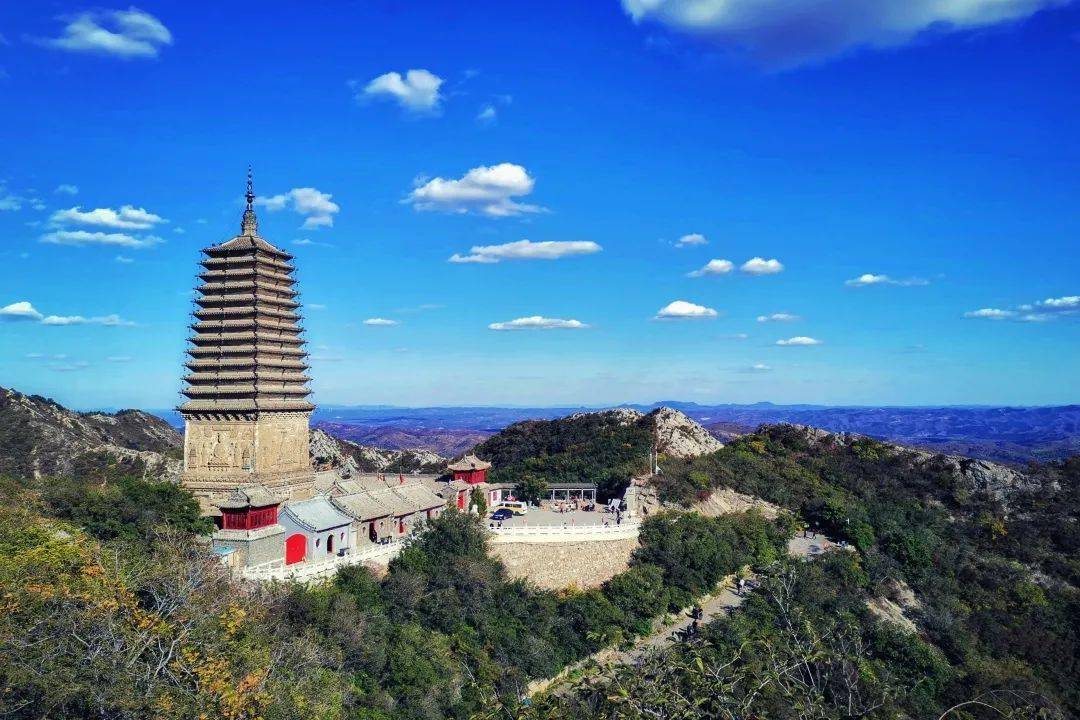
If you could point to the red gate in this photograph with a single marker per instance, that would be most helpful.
(295, 548)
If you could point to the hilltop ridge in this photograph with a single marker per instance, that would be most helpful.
(38, 437)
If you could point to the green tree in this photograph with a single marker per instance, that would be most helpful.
(478, 500)
(532, 488)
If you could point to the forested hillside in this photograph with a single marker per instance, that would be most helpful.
(132, 618)
(994, 572)
(112, 608)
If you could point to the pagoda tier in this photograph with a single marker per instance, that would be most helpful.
(246, 352)
(264, 311)
(213, 364)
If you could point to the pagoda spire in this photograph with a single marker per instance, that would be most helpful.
(249, 226)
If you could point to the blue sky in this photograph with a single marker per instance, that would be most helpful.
(932, 149)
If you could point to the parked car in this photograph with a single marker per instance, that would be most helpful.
(514, 506)
(502, 514)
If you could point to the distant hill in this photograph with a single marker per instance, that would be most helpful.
(606, 447)
(340, 454)
(1003, 434)
(40, 437)
(441, 440)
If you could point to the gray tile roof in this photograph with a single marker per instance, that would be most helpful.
(469, 462)
(361, 506)
(419, 496)
(316, 514)
(250, 496)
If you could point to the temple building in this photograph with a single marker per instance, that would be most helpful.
(470, 469)
(247, 414)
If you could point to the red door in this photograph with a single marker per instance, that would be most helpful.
(295, 548)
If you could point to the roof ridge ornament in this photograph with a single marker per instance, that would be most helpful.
(249, 226)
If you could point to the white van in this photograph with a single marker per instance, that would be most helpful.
(514, 506)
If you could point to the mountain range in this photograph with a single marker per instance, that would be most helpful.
(1003, 434)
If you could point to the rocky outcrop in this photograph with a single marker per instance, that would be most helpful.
(617, 416)
(721, 501)
(679, 436)
(329, 452)
(896, 604)
(40, 437)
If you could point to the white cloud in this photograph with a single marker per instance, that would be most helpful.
(777, 317)
(868, 279)
(1065, 303)
(713, 267)
(526, 250)
(683, 310)
(316, 206)
(799, 340)
(110, 320)
(124, 259)
(119, 358)
(9, 201)
(315, 306)
(478, 259)
(84, 237)
(761, 266)
(785, 33)
(20, 312)
(487, 115)
(306, 241)
(380, 322)
(417, 91)
(538, 322)
(126, 34)
(25, 311)
(127, 218)
(691, 240)
(990, 314)
(758, 368)
(70, 367)
(1041, 311)
(66, 189)
(487, 190)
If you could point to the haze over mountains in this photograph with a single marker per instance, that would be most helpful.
(994, 433)
(1004, 434)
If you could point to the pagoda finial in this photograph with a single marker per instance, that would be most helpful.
(250, 225)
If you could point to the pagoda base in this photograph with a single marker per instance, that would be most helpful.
(223, 452)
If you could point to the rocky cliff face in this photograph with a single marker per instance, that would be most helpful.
(334, 453)
(40, 437)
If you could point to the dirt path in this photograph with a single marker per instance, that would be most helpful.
(718, 604)
(713, 606)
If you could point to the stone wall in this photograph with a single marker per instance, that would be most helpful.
(262, 547)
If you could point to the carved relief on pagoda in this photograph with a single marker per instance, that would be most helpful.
(219, 448)
(283, 443)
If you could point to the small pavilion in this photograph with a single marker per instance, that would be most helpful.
(470, 469)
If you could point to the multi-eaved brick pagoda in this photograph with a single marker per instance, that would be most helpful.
(247, 413)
